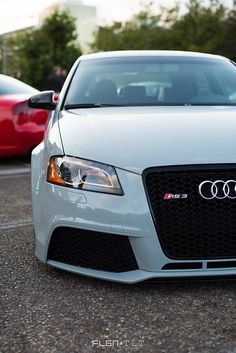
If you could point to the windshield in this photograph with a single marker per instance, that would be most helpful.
(133, 81)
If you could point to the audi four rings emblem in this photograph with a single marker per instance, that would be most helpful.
(218, 189)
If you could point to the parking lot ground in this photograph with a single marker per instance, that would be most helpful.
(15, 198)
(44, 310)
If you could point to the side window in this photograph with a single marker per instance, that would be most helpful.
(228, 83)
(90, 89)
(164, 85)
(202, 85)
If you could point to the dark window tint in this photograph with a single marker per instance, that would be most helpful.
(9, 85)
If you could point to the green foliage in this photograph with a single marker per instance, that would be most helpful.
(1, 64)
(144, 31)
(205, 28)
(35, 52)
(202, 28)
(230, 34)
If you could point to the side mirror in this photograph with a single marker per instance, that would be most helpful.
(43, 100)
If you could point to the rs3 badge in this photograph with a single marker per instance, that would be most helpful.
(175, 196)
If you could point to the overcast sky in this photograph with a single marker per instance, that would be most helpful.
(18, 11)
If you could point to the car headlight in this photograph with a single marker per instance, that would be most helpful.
(83, 174)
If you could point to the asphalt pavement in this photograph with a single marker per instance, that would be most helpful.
(44, 310)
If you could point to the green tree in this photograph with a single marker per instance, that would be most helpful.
(144, 31)
(37, 51)
(206, 27)
(1, 50)
(228, 44)
(202, 28)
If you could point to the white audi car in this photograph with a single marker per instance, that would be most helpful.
(136, 176)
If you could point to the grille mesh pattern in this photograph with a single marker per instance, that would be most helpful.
(90, 249)
(192, 228)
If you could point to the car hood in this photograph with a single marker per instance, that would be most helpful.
(135, 138)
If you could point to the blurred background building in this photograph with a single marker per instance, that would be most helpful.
(86, 20)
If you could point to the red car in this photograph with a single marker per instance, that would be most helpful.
(21, 128)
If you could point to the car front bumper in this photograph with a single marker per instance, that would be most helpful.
(128, 215)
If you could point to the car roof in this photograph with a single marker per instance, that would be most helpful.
(150, 53)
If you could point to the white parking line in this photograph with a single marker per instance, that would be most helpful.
(18, 224)
(14, 172)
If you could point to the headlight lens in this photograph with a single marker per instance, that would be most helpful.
(83, 174)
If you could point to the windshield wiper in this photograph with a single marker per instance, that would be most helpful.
(89, 105)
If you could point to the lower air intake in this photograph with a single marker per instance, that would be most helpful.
(95, 250)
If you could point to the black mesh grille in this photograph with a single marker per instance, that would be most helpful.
(192, 227)
(93, 250)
